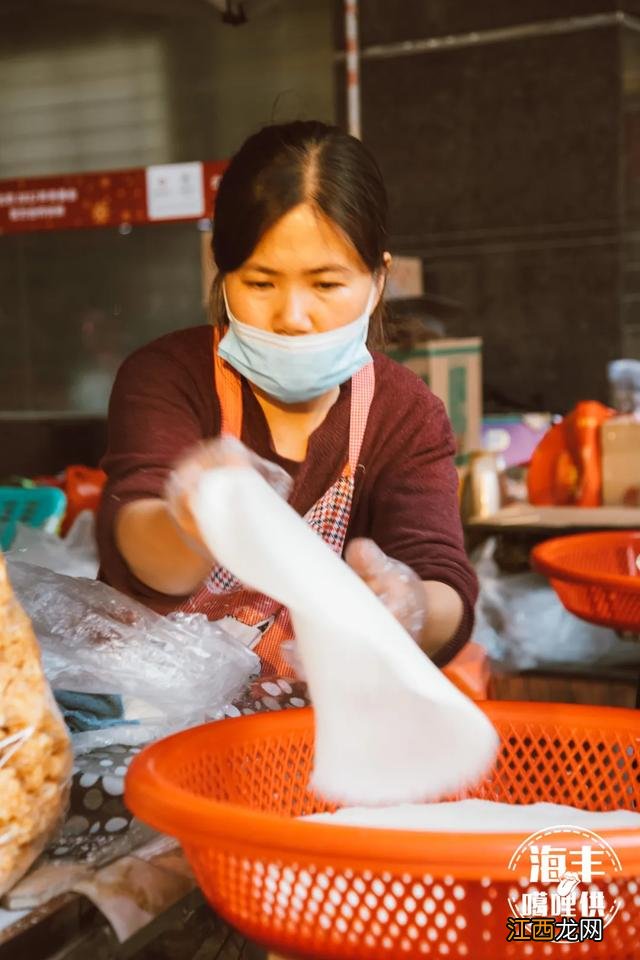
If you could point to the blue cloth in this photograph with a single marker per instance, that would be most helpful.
(90, 711)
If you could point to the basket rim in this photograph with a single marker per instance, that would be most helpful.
(195, 820)
(545, 561)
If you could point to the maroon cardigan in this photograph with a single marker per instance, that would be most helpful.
(164, 402)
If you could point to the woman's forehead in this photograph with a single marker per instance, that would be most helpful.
(305, 240)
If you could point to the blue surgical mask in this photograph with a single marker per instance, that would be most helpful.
(294, 369)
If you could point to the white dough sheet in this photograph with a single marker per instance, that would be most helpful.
(390, 728)
(477, 816)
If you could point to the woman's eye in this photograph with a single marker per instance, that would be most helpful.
(259, 284)
(328, 286)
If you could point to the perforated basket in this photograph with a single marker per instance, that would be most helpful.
(229, 790)
(595, 575)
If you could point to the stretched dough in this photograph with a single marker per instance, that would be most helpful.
(477, 816)
(390, 727)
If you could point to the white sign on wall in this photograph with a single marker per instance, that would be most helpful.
(175, 190)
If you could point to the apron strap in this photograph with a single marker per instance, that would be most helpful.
(363, 385)
(228, 386)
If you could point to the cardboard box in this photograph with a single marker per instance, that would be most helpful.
(453, 370)
(620, 440)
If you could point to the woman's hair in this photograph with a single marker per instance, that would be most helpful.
(285, 165)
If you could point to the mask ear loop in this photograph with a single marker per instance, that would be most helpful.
(230, 316)
(373, 293)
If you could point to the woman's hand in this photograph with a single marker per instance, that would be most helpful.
(160, 540)
(184, 481)
(397, 586)
(430, 611)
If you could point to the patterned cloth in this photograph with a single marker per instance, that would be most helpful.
(222, 595)
(99, 828)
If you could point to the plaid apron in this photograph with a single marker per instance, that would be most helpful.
(221, 594)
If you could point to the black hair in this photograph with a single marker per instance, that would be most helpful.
(285, 165)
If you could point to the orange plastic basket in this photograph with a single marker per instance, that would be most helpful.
(229, 792)
(595, 575)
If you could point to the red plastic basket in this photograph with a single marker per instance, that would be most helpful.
(229, 792)
(596, 576)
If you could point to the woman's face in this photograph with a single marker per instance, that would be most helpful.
(304, 276)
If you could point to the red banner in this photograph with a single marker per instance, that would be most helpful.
(171, 192)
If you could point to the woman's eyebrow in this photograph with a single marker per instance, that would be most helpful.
(329, 268)
(326, 268)
(260, 269)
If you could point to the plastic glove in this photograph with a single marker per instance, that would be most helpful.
(394, 583)
(224, 451)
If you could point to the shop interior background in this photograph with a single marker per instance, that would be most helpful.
(508, 134)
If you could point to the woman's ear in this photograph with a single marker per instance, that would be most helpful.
(383, 273)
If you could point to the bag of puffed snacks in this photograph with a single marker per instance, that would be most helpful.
(35, 750)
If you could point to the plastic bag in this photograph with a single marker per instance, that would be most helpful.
(75, 556)
(624, 385)
(35, 750)
(522, 624)
(169, 672)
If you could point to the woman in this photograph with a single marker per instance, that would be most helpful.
(300, 245)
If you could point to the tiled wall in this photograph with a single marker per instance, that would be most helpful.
(512, 160)
(104, 86)
(74, 304)
(513, 163)
(630, 195)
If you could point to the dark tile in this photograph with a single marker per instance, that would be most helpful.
(630, 318)
(79, 301)
(383, 22)
(501, 137)
(503, 168)
(548, 318)
(29, 448)
(630, 139)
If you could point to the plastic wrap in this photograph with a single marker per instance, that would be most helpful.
(624, 385)
(169, 672)
(75, 556)
(35, 749)
(522, 624)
